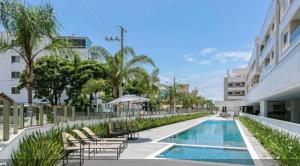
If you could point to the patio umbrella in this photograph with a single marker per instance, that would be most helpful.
(128, 99)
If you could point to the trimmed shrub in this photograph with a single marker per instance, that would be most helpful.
(284, 147)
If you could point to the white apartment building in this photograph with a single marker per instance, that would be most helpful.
(234, 84)
(12, 65)
(234, 90)
(273, 79)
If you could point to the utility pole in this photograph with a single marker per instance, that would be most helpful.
(121, 40)
(174, 100)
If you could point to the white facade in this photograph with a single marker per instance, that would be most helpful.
(12, 65)
(273, 79)
(234, 84)
(234, 90)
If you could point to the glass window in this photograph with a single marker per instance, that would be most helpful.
(285, 38)
(15, 59)
(15, 90)
(284, 5)
(15, 74)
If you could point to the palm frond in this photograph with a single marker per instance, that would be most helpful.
(98, 51)
(139, 60)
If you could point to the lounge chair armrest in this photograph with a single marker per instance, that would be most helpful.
(77, 141)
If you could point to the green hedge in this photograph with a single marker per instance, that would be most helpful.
(284, 147)
(46, 149)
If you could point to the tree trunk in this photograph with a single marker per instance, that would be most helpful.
(120, 94)
(120, 88)
(29, 81)
(29, 94)
(115, 91)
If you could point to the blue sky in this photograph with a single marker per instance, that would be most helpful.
(194, 40)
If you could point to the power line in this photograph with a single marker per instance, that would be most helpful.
(121, 39)
(87, 11)
(98, 17)
(92, 24)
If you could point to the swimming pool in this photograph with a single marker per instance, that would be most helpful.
(214, 133)
(211, 141)
(219, 155)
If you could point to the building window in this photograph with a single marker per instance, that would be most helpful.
(15, 74)
(284, 4)
(15, 90)
(285, 38)
(15, 59)
(230, 84)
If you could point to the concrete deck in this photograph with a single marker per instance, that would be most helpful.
(147, 145)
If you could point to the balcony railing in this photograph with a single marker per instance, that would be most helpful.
(295, 35)
(266, 70)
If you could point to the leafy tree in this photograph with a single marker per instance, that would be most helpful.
(27, 27)
(169, 94)
(95, 52)
(123, 65)
(81, 73)
(50, 79)
(93, 86)
(134, 86)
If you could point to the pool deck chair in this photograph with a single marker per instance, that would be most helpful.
(105, 149)
(133, 132)
(113, 132)
(94, 136)
(71, 149)
(84, 138)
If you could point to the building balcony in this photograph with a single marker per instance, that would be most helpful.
(281, 82)
(295, 36)
(236, 88)
(267, 49)
(266, 70)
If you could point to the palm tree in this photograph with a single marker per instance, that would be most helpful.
(170, 94)
(27, 27)
(125, 64)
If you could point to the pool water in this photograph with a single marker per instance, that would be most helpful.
(240, 157)
(213, 133)
(211, 141)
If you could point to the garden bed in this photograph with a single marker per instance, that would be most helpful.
(284, 147)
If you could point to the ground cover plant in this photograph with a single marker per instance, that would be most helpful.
(284, 147)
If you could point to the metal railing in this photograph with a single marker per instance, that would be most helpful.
(15, 116)
(295, 35)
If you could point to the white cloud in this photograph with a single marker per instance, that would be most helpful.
(243, 65)
(206, 51)
(233, 56)
(191, 59)
(204, 62)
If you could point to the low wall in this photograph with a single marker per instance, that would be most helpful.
(12, 144)
(289, 127)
